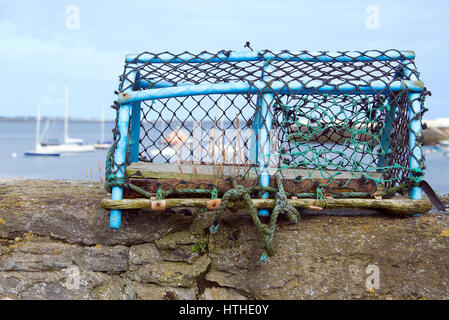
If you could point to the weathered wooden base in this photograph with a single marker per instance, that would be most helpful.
(392, 206)
(149, 176)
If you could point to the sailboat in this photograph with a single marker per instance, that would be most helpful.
(71, 145)
(41, 150)
(44, 139)
(102, 144)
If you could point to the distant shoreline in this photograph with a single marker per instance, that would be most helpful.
(431, 135)
(33, 119)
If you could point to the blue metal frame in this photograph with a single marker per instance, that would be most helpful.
(385, 138)
(389, 119)
(310, 56)
(115, 219)
(254, 147)
(135, 128)
(415, 131)
(135, 132)
(256, 87)
(263, 134)
(415, 126)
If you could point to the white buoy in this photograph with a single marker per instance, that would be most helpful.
(14, 155)
(166, 152)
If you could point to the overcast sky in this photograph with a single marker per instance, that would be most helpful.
(41, 50)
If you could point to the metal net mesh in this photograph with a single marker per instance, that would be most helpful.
(338, 122)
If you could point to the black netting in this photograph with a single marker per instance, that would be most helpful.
(321, 120)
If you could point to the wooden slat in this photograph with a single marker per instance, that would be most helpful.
(171, 171)
(223, 184)
(149, 176)
(392, 206)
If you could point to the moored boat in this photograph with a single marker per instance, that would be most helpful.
(41, 150)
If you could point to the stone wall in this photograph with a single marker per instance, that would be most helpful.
(55, 243)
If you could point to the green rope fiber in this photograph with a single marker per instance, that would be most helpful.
(160, 195)
(239, 193)
(214, 193)
(326, 116)
(320, 198)
(111, 180)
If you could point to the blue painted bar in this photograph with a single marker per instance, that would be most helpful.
(135, 126)
(135, 132)
(389, 119)
(254, 147)
(309, 56)
(386, 132)
(293, 87)
(145, 84)
(415, 126)
(264, 142)
(119, 158)
(115, 219)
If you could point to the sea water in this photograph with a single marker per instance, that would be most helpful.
(16, 137)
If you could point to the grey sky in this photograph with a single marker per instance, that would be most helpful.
(39, 55)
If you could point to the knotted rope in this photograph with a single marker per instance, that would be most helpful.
(282, 206)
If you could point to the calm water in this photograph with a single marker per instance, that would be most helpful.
(18, 137)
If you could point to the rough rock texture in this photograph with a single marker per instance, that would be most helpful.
(55, 243)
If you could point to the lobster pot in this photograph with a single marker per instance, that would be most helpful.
(328, 125)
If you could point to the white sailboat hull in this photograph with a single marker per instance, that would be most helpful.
(56, 150)
(71, 148)
(70, 145)
(40, 154)
(43, 151)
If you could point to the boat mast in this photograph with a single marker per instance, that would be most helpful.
(38, 124)
(66, 118)
(102, 125)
